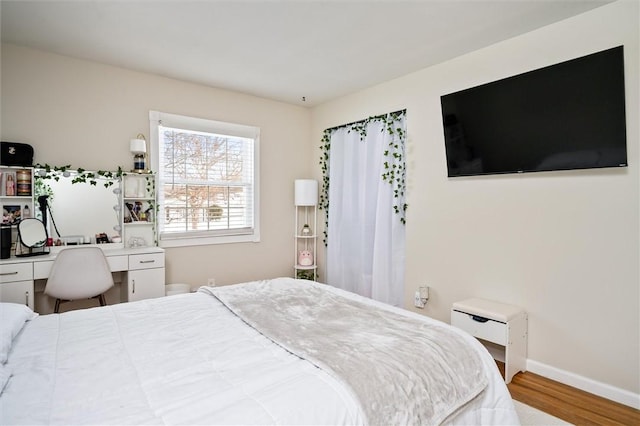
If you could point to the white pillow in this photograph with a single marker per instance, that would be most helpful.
(13, 316)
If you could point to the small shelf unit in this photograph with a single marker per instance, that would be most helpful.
(139, 207)
(16, 197)
(306, 239)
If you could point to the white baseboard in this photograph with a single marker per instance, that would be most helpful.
(583, 383)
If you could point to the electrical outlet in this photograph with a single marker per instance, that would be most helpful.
(417, 300)
(424, 293)
(211, 282)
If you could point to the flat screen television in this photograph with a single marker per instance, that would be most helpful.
(565, 116)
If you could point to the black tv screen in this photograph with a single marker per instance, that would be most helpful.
(565, 116)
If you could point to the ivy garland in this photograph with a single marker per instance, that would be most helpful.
(394, 165)
(82, 176)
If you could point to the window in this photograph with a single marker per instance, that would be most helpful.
(207, 180)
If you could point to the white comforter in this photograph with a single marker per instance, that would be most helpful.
(184, 359)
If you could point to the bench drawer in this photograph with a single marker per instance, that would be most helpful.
(490, 330)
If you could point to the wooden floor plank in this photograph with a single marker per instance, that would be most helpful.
(568, 403)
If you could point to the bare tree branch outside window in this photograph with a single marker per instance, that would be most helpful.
(207, 181)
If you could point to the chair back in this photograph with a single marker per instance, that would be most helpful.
(79, 273)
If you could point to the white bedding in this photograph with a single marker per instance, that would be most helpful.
(185, 359)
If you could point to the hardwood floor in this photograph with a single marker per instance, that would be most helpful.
(567, 403)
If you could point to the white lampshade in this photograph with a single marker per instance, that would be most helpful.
(138, 146)
(306, 192)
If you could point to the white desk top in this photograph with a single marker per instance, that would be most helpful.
(108, 251)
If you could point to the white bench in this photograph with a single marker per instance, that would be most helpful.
(499, 323)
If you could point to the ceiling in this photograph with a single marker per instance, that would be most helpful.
(283, 50)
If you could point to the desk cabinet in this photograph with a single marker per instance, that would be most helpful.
(16, 283)
(145, 279)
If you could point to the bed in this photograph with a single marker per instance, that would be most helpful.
(278, 351)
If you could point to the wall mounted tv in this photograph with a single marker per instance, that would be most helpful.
(565, 116)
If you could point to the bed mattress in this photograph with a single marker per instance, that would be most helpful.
(187, 359)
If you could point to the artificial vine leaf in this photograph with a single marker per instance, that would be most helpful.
(395, 168)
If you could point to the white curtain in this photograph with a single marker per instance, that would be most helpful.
(365, 237)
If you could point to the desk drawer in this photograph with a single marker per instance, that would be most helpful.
(146, 261)
(492, 331)
(41, 270)
(10, 272)
(118, 263)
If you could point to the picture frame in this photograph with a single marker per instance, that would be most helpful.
(11, 214)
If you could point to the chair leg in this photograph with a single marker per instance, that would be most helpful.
(57, 307)
(102, 301)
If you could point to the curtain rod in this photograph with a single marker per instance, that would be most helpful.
(360, 121)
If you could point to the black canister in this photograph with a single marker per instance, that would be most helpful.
(5, 241)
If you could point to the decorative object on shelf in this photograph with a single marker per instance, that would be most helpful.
(23, 183)
(305, 258)
(138, 148)
(137, 242)
(10, 184)
(11, 215)
(102, 238)
(306, 231)
(16, 154)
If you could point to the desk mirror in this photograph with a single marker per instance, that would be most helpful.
(32, 233)
(32, 238)
(79, 210)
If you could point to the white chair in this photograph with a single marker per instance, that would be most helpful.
(79, 273)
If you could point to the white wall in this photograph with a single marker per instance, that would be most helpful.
(84, 114)
(563, 245)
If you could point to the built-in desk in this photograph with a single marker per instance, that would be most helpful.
(141, 275)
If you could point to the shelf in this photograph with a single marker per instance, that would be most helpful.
(139, 190)
(22, 196)
(147, 199)
(306, 220)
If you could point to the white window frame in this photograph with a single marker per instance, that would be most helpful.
(209, 126)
